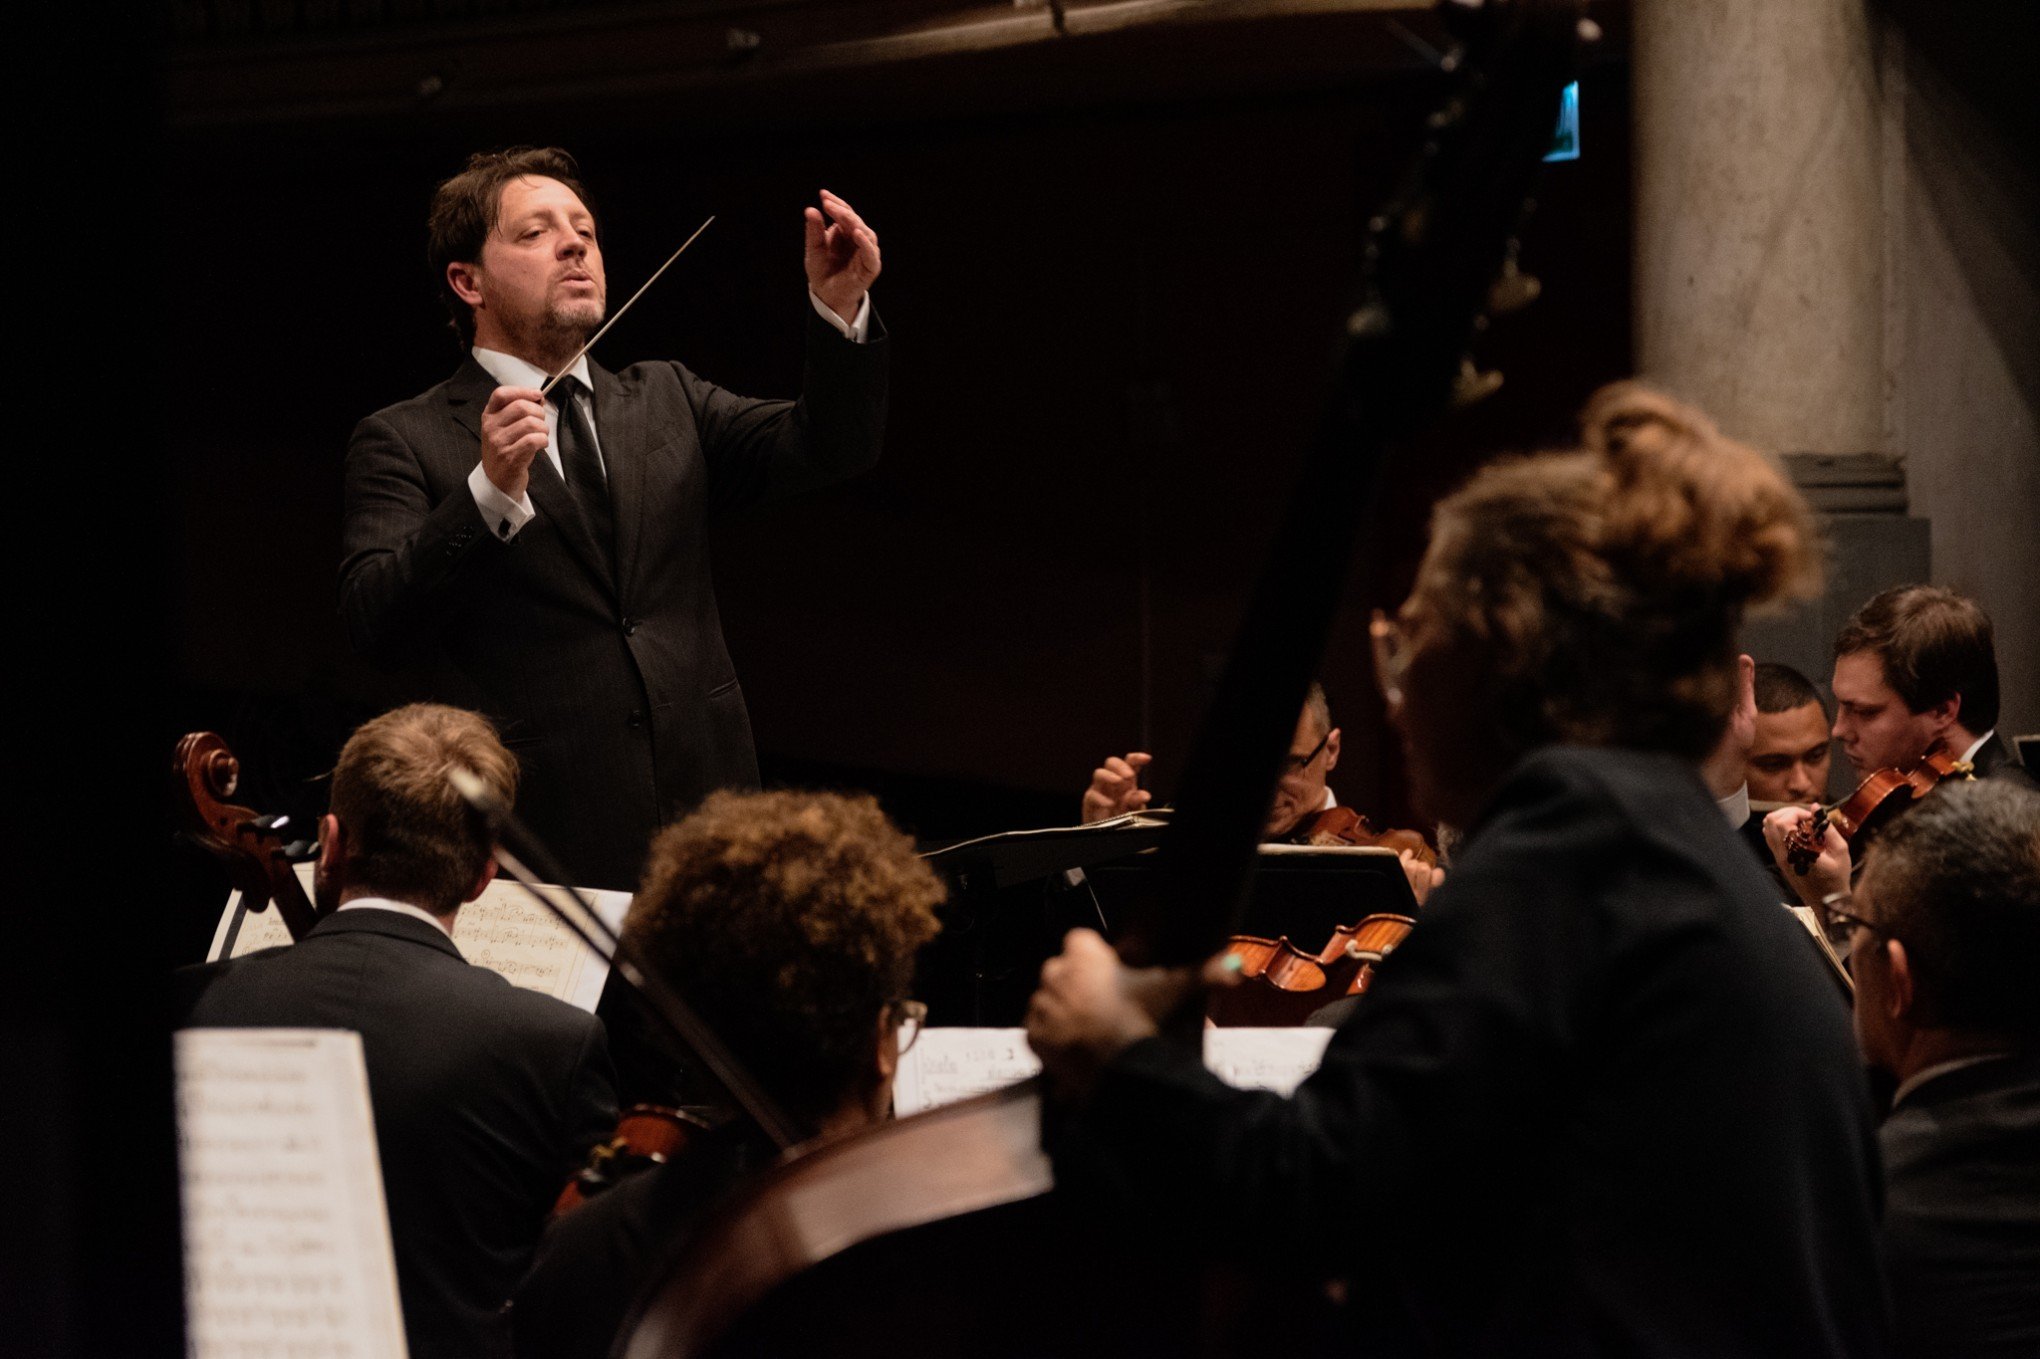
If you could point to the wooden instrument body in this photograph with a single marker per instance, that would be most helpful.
(646, 1136)
(1281, 986)
(1884, 794)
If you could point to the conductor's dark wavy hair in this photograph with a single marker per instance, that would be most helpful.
(1604, 586)
(465, 207)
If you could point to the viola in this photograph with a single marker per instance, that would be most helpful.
(1878, 798)
(259, 854)
(1281, 986)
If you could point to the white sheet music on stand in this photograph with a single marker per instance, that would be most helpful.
(949, 1064)
(286, 1241)
(503, 930)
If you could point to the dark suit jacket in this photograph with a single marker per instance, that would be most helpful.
(1601, 1101)
(485, 1098)
(594, 1262)
(1962, 1212)
(1995, 760)
(610, 682)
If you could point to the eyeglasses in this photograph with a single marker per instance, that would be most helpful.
(913, 1018)
(1295, 764)
(1837, 905)
(1391, 655)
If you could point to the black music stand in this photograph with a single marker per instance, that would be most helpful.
(1012, 896)
(1303, 892)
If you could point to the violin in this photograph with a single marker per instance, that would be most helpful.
(647, 1135)
(1877, 799)
(1281, 985)
(260, 859)
(1344, 826)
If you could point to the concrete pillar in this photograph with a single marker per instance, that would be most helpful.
(1759, 217)
(1833, 257)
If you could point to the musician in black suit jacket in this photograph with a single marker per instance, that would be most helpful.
(544, 560)
(485, 1096)
(1601, 1101)
(1945, 926)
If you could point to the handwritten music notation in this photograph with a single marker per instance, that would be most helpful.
(503, 930)
(287, 1245)
(950, 1064)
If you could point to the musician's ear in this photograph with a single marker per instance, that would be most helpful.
(1331, 749)
(885, 1057)
(1944, 714)
(1898, 990)
(488, 875)
(464, 279)
(332, 851)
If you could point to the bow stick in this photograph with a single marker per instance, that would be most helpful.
(719, 1062)
(624, 308)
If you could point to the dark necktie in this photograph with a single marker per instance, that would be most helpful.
(583, 467)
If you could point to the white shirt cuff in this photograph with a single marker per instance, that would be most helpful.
(856, 328)
(503, 515)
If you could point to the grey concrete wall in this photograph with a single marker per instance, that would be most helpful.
(1838, 251)
(1965, 359)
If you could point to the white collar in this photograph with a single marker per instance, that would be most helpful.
(400, 907)
(1969, 755)
(1736, 806)
(1329, 802)
(512, 371)
(1920, 1078)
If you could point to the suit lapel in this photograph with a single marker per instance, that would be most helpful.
(618, 430)
(467, 395)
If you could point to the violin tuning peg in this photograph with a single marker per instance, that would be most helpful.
(265, 824)
(300, 851)
(1472, 385)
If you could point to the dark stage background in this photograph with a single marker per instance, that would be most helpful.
(1115, 286)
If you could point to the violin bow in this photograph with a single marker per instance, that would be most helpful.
(688, 1026)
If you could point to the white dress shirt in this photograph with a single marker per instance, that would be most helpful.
(400, 907)
(1981, 741)
(505, 516)
(1736, 806)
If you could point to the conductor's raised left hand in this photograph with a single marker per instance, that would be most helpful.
(842, 256)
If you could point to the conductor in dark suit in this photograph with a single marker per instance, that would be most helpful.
(485, 1096)
(544, 559)
(1945, 927)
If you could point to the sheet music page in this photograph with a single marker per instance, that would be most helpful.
(503, 930)
(950, 1064)
(946, 1065)
(1265, 1059)
(286, 1241)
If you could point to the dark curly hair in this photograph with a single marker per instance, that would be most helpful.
(789, 921)
(1604, 586)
